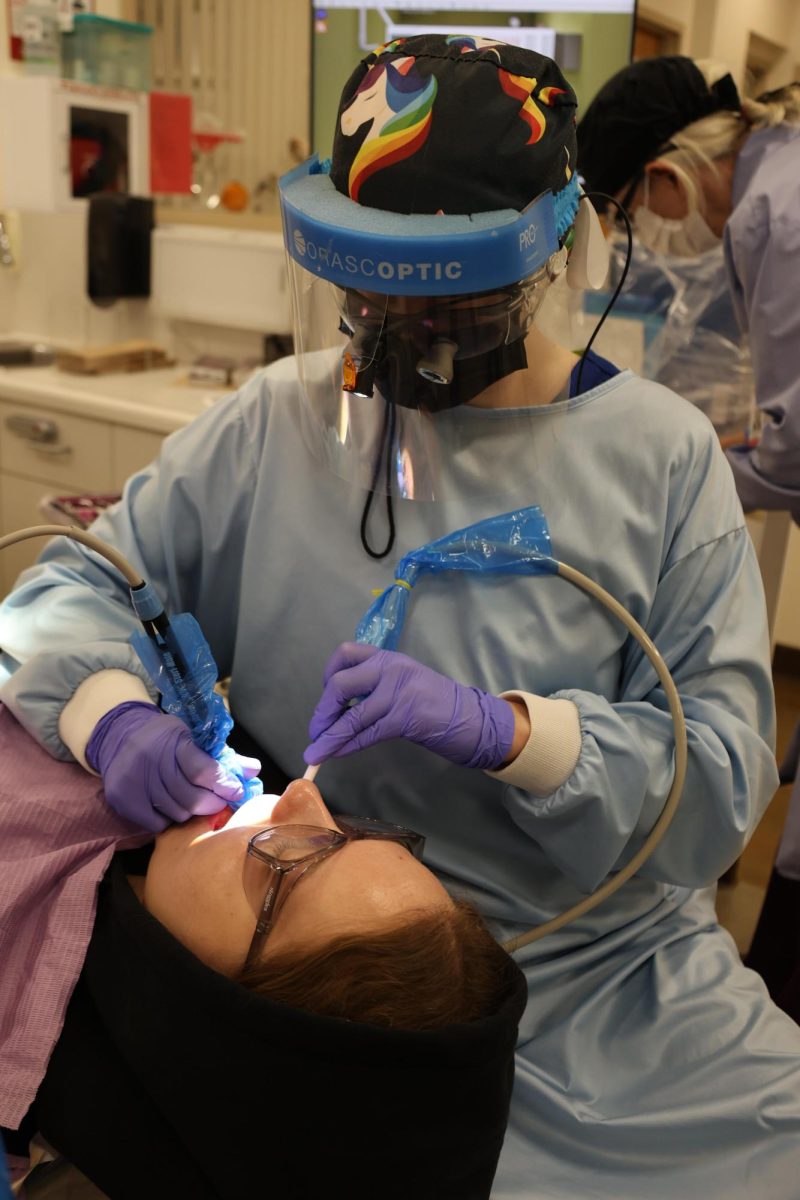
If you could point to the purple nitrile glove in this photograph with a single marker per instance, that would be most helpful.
(397, 697)
(153, 774)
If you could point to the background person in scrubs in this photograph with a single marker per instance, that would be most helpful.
(694, 164)
(692, 173)
(650, 1061)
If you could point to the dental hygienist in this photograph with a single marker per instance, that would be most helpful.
(695, 163)
(520, 730)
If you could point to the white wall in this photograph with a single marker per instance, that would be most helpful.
(722, 29)
(45, 293)
(45, 296)
(774, 20)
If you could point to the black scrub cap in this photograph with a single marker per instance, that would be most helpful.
(453, 124)
(634, 115)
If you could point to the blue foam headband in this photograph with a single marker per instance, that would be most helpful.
(416, 255)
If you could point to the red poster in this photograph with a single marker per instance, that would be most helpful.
(170, 143)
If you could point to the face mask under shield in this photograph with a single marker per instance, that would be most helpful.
(400, 321)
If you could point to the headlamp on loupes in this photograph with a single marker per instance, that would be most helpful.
(433, 335)
(418, 296)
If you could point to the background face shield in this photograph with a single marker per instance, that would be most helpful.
(397, 439)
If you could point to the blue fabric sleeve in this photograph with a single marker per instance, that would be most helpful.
(763, 253)
(182, 523)
(708, 620)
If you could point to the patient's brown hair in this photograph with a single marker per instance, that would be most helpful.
(439, 969)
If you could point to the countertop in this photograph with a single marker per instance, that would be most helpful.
(159, 401)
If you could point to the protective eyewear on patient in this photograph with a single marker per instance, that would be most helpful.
(280, 855)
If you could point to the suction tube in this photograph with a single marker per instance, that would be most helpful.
(681, 758)
(113, 556)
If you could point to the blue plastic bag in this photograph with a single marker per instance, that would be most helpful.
(513, 543)
(192, 697)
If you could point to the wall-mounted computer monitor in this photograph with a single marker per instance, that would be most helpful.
(589, 39)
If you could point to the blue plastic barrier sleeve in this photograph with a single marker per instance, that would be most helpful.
(513, 543)
(185, 673)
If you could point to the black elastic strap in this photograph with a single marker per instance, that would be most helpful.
(623, 214)
(385, 447)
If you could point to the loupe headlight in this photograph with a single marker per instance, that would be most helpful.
(359, 358)
(437, 367)
(436, 333)
(358, 377)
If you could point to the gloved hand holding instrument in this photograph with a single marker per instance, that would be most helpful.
(371, 696)
(397, 697)
(154, 774)
(163, 766)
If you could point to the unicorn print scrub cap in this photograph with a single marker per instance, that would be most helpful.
(457, 124)
(420, 254)
(458, 142)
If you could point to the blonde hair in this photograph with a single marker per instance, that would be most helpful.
(781, 107)
(705, 142)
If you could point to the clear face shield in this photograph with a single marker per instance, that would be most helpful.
(394, 336)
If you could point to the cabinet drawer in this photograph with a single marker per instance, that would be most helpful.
(133, 449)
(66, 451)
(19, 500)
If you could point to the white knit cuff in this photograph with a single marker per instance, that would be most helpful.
(90, 701)
(551, 753)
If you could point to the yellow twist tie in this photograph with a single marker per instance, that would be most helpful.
(397, 583)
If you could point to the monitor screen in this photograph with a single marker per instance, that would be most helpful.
(589, 39)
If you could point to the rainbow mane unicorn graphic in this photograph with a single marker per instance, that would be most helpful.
(388, 47)
(397, 101)
(468, 43)
(521, 88)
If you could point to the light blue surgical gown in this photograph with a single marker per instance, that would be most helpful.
(762, 252)
(651, 1063)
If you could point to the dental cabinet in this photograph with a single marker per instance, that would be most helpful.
(68, 435)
